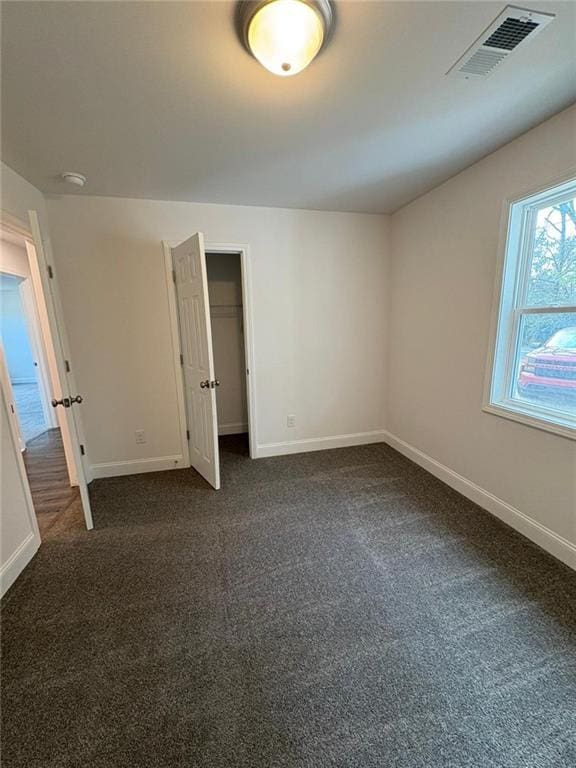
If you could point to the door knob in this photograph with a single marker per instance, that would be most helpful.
(78, 399)
(217, 383)
(204, 384)
(65, 402)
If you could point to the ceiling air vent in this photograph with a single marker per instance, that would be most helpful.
(506, 33)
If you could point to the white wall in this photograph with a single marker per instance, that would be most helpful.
(444, 250)
(14, 261)
(318, 282)
(225, 290)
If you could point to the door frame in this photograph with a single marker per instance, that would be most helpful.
(24, 230)
(32, 320)
(243, 252)
(44, 280)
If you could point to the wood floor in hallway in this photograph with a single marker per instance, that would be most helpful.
(45, 463)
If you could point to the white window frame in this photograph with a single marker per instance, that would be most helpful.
(517, 226)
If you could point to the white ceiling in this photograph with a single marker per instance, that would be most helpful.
(160, 100)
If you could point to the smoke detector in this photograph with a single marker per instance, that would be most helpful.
(511, 29)
(73, 178)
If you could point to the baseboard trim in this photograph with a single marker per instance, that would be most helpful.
(556, 545)
(23, 380)
(16, 563)
(232, 429)
(137, 466)
(319, 443)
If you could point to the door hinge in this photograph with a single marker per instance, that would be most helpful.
(50, 272)
(173, 276)
(187, 434)
(12, 408)
(67, 366)
(181, 359)
(82, 451)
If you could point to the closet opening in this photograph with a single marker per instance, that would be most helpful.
(210, 308)
(224, 271)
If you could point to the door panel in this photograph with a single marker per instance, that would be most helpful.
(11, 407)
(57, 331)
(189, 262)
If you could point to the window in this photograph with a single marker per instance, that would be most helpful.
(534, 369)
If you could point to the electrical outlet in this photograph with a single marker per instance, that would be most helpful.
(291, 420)
(140, 436)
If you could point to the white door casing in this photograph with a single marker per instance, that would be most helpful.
(189, 261)
(52, 301)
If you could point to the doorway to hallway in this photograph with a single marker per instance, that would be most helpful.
(21, 339)
(29, 406)
(30, 380)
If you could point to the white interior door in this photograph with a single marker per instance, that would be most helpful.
(11, 406)
(70, 400)
(197, 359)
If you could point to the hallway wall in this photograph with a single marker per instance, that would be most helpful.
(14, 332)
(13, 258)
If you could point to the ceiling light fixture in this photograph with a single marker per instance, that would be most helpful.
(285, 35)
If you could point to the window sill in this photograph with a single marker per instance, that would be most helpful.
(512, 411)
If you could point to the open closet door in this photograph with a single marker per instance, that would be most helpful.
(189, 261)
(69, 400)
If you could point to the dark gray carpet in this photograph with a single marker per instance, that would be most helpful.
(341, 608)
